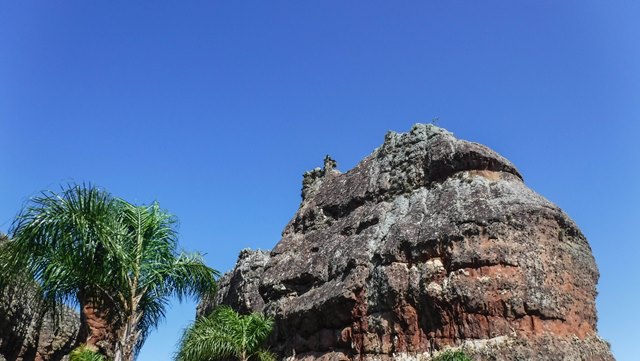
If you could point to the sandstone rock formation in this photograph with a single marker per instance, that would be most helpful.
(430, 242)
(29, 334)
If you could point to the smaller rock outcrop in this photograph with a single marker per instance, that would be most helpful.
(27, 332)
(240, 286)
(311, 180)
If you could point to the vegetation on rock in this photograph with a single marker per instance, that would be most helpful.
(85, 353)
(451, 355)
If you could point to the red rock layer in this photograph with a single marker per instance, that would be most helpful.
(427, 243)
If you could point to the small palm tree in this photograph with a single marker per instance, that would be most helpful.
(116, 260)
(226, 334)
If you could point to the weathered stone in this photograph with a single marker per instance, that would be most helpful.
(430, 242)
(27, 333)
(240, 287)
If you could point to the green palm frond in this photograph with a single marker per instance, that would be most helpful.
(256, 329)
(61, 240)
(82, 243)
(153, 308)
(225, 333)
(154, 269)
(189, 276)
(205, 340)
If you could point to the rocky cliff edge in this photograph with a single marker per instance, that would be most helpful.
(430, 242)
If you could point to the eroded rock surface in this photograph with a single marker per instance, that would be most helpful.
(29, 334)
(429, 242)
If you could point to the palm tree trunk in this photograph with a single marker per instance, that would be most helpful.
(127, 339)
(95, 329)
(119, 354)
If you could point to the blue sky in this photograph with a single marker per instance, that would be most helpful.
(216, 108)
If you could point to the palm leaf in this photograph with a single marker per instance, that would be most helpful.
(83, 244)
(61, 240)
(225, 333)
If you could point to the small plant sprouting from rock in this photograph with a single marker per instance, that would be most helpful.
(450, 355)
(85, 353)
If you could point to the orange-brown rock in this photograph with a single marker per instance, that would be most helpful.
(430, 242)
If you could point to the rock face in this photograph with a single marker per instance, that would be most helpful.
(28, 334)
(430, 242)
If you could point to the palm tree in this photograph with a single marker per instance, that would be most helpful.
(226, 334)
(117, 261)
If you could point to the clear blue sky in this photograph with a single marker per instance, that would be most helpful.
(216, 108)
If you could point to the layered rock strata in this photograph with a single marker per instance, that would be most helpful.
(428, 243)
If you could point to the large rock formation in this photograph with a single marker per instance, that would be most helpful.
(27, 333)
(430, 242)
